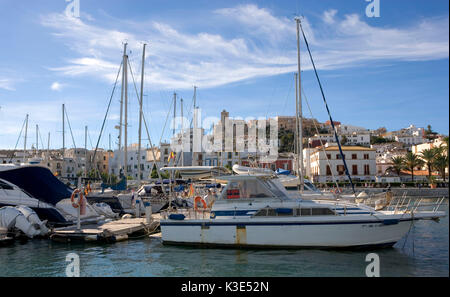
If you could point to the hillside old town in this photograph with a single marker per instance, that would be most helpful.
(410, 155)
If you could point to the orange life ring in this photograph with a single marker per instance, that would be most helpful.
(72, 198)
(199, 199)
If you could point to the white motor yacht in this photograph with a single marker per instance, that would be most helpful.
(256, 211)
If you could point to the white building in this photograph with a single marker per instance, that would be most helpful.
(116, 163)
(409, 140)
(360, 161)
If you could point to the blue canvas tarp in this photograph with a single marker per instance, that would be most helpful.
(39, 182)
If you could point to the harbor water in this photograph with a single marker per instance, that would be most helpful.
(424, 252)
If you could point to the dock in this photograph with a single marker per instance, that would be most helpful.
(110, 232)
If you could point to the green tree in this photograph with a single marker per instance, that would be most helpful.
(441, 163)
(398, 164)
(412, 161)
(428, 156)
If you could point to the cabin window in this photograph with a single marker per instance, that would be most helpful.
(322, 212)
(305, 211)
(246, 189)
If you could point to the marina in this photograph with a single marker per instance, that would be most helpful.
(150, 258)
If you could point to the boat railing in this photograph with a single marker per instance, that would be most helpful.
(410, 204)
(189, 213)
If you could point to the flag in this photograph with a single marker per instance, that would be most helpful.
(171, 156)
(191, 190)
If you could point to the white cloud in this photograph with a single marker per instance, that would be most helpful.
(328, 16)
(56, 86)
(265, 46)
(7, 84)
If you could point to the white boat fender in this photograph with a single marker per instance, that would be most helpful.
(33, 218)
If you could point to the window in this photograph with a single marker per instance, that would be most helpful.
(355, 170)
(340, 169)
(354, 156)
(322, 212)
(338, 157)
(366, 169)
(328, 170)
(328, 156)
(366, 156)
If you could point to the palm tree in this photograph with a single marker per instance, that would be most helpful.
(428, 156)
(440, 163)
(412, 161)
(398, 164)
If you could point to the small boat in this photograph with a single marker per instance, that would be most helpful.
(198, 172)
(12, 195)
(256, 211)
(37, 188)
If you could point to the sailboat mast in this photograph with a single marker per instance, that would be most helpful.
(182, 133)
(121, 96)
(63, 132)
(25, 139)
(37, 139)
(174, 112)
(194, 117)
(300, 116)
(297, 134)
(125, 68)
(140, 113)
(85, 151)
(48, 146)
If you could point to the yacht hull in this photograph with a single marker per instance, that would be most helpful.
(284, 234)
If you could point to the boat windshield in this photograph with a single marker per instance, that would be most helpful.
(250, 189)
(309, 186)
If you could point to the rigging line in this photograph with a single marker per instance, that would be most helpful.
(18, 139)
(320, 139)
(328, 110)
(40, 137)
(70, 128)
(106, 115)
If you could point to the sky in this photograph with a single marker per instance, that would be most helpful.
(388, 71)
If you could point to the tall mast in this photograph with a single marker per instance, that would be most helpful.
(63, 131)
(37, 139)
(48, 146)
(140, 114)
(174, 112)
(194, 125)
(25, 139)
(121, 96)
(182, 133)
(296, 126)
(85, 151)
(300, 140)
(125, 68)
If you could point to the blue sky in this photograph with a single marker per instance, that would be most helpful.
(390, 71)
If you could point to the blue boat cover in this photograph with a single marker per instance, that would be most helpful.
(39, 182)
(282, 172)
